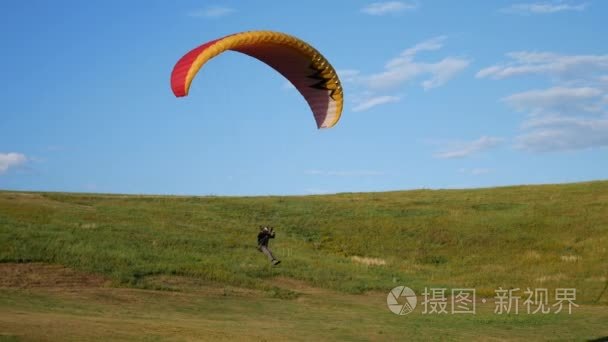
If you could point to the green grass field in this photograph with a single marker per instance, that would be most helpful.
(113, 267)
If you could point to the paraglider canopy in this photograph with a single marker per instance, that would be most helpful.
(304, 66)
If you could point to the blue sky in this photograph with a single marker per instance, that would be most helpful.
(439, 94)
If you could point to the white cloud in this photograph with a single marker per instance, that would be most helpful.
(388, 7)
(466, 149)
(563, 133)
(544, 7)
(371, 89)
(352, 173)
(374, 101)
(561, 66)
(556, 99)
(212, 12)
(432, 44)
(571, 114)
(394, 77)
(444, 71)
(403, 68)
(9, 160)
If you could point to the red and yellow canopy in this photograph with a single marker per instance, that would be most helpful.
(300, 63)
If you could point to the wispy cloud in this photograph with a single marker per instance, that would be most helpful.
(560, 133)
(374, 101)
(211, 12)
(556, 99)
(351, 173)
(408, 54)
(571, 114)
(546, 63)
(9, 160)
(373, 88)
(544, 7)
(388, 7)
(466, 149)
(404, 68)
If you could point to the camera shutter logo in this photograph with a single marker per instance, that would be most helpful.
(401, 300)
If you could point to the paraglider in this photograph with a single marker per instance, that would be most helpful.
(310, 73)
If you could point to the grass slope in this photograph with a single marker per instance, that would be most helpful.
(512, 237)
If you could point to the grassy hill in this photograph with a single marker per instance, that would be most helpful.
(352, 247)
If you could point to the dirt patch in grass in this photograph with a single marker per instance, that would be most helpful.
(195, 285)
(35, 275)
(497, 206)
(297, 285)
